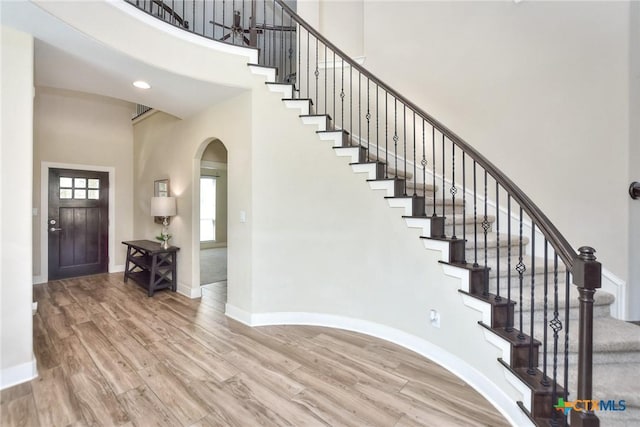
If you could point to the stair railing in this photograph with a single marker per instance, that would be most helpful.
(466, 197)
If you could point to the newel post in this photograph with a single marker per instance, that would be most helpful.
(587, 276)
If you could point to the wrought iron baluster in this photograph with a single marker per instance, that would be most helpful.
(464, 203)
(531, 369)
(317, 73)
(386, 134)
(334, 84)
(395, 135)
(498, 298)
(475, 217)
(424, 164)
(377, 124)
(433, 167)
(444, 191)
(325, 79)
(510, 313)
(351, 106)
(291, 56)
(415, 163)
(404, 149)
(565, 385)
(360, 111)
(545, 379)
(342, 95)
(556, 326)
(453, 189)
(368, 117)
(520, 267)
(485, 229)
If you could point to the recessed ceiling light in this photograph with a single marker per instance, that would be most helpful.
(141, 84)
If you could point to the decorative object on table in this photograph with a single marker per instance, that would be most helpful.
(164, 207)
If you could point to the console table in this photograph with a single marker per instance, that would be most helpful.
(151, 266)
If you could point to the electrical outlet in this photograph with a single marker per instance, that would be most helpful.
(434, 316)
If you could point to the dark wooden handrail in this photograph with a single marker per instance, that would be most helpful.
(563, 248)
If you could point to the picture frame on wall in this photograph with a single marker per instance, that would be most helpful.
(160, 189)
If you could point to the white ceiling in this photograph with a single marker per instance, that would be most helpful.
(68, 59)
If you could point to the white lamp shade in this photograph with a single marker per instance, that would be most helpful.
(163, 206)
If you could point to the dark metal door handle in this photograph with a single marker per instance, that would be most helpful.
(634, 190)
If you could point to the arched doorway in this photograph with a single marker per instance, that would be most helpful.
(213, 220)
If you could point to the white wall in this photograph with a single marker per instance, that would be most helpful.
(76, 128)
(538, 83)
(17, 363)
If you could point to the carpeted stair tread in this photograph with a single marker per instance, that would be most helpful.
(492, 242)
(612, 335)
(421, 188)
(601, 298)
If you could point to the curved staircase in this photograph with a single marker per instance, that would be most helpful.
(536, 293)
(616, 344)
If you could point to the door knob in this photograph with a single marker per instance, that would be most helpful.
(55, 229)
(634, 190)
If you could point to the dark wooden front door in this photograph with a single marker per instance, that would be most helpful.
(78, 223)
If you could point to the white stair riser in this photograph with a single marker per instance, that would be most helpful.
(319, 121)
(269, 73)
(335, 138)
(351, 152)
(302, 105)
(285, 90)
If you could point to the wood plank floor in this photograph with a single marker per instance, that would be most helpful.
(109, 355)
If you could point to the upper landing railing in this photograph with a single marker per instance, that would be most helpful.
(445, 176)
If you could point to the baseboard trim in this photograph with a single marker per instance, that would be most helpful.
(238, 314)
(18, 374)
(37, 280)
(116, 268)
(507, 406)
(189, 291)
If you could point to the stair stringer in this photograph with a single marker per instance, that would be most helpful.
(485, 309)
(497, 389)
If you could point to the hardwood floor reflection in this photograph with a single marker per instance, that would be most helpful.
(109, 355)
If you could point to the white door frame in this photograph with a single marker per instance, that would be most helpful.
(44, 213)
